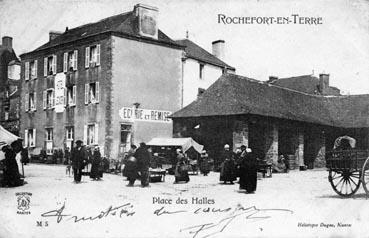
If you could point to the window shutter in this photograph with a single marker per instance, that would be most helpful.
(54, 64)
(45, 66)
(52, 98)
(85, 134)
(34, 137)
(26, 71)
(44, 99)
(87, 89)
(87, 58)
(97, 92)
(26, 103)
(96, 136)
(98, 55)
(65, 96)
(34, 101)
(65, 62)
(35, 69)
(26, 138)
(75, 60)
(74, 94)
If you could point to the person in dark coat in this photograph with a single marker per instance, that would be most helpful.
(11, 171)
(78, 157)
(130, 166)
(204, 163)
(181, 170)
(228, 171)
(248, 170)
(95, 164)
(143, 157)
(24, 156)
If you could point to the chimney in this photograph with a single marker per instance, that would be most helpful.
(146, 20)
(218, 49)
(272, 79)
(54, 34)
(7, 42)
(323, 83)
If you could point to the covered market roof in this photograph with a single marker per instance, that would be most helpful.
(236, 95)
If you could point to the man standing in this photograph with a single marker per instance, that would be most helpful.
(78, 156)
(143, 162)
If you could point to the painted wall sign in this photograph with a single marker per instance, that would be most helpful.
(138, 114)
(59, 92)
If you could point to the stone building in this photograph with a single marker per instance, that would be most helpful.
(9, 86)
(110, 83)
(201, 68)
(273, 120)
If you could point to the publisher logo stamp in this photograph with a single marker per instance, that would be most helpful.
(23, 203)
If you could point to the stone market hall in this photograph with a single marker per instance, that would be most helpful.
(275, 118)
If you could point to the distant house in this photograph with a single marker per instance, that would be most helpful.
(201, 68)
(307, 84)
(273, 120)
(9, 86)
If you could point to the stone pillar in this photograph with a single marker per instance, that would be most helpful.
(271, 143)
(241, 135)
(300, 149)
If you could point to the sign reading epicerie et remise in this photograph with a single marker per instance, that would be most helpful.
(138, 114)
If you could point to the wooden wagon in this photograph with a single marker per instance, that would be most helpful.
(348, 169)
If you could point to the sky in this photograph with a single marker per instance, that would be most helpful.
(339, 46)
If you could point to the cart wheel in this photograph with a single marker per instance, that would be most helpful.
(345, 183)
(365, 176)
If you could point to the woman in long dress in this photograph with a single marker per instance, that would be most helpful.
(181, 170)
(228, 171)
(248, 170)
(95, 164)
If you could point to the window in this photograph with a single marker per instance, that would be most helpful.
(70, 61)
(30, 70)
(49, 134)
(125, 133)
(91, 134)
(69, 132)
(48, 99)
(33, 66)
(92, 56)
(30, 137)
(49, 140)
(92, 93)
(30, 101)
(71, 96)
(201, 71)
(50, 65)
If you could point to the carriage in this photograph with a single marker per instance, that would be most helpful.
(348, 167)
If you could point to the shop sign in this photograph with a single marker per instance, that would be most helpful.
(138, 114)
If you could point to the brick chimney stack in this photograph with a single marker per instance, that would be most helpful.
(323, 83)
(219, 49)
(7, 42)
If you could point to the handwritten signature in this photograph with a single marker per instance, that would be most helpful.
(251, 214)
(122, 210)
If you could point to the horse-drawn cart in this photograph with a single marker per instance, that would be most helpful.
(348, 168)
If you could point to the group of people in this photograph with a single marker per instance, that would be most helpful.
(242, 164)
(137, 164)
(80, 158)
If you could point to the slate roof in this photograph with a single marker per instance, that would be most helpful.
(194, 51)
(305, 83)
(236, 95)
(122, 24)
